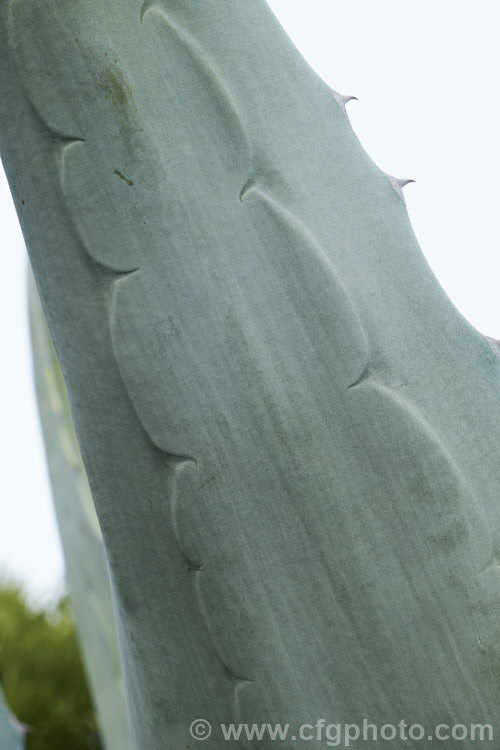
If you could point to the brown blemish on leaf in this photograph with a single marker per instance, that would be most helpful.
(119, 94)
(116, 88)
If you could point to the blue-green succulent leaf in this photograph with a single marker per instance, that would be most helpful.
(86, 566)
(12, 733)
(291, 435)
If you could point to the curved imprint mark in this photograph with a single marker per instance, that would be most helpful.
(347, 315)
(405, 405)
(199, 571)
(211, 76)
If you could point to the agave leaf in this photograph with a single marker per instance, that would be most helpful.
(11, 732)
(290, 433)
(86, 566)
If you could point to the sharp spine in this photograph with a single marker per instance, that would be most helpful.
(342, 99)
(398, 184)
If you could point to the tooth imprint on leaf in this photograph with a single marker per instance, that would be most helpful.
(192, 568)
(363, 379)
(247, 188)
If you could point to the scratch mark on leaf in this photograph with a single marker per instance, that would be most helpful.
(122, 177)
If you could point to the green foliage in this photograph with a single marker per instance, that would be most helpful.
(42, 675)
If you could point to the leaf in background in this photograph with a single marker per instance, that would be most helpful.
(86, 566)
(11, 732)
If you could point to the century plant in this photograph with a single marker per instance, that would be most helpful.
(86, 568)
(290, 433)
(12, 733)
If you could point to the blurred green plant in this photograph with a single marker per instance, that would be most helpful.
(42, 675)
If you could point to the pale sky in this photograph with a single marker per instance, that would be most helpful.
(426, 75)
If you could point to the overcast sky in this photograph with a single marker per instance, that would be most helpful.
(425, 72)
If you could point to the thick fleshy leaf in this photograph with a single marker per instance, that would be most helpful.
(12, 733)
(86, 566)
(291, 435)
